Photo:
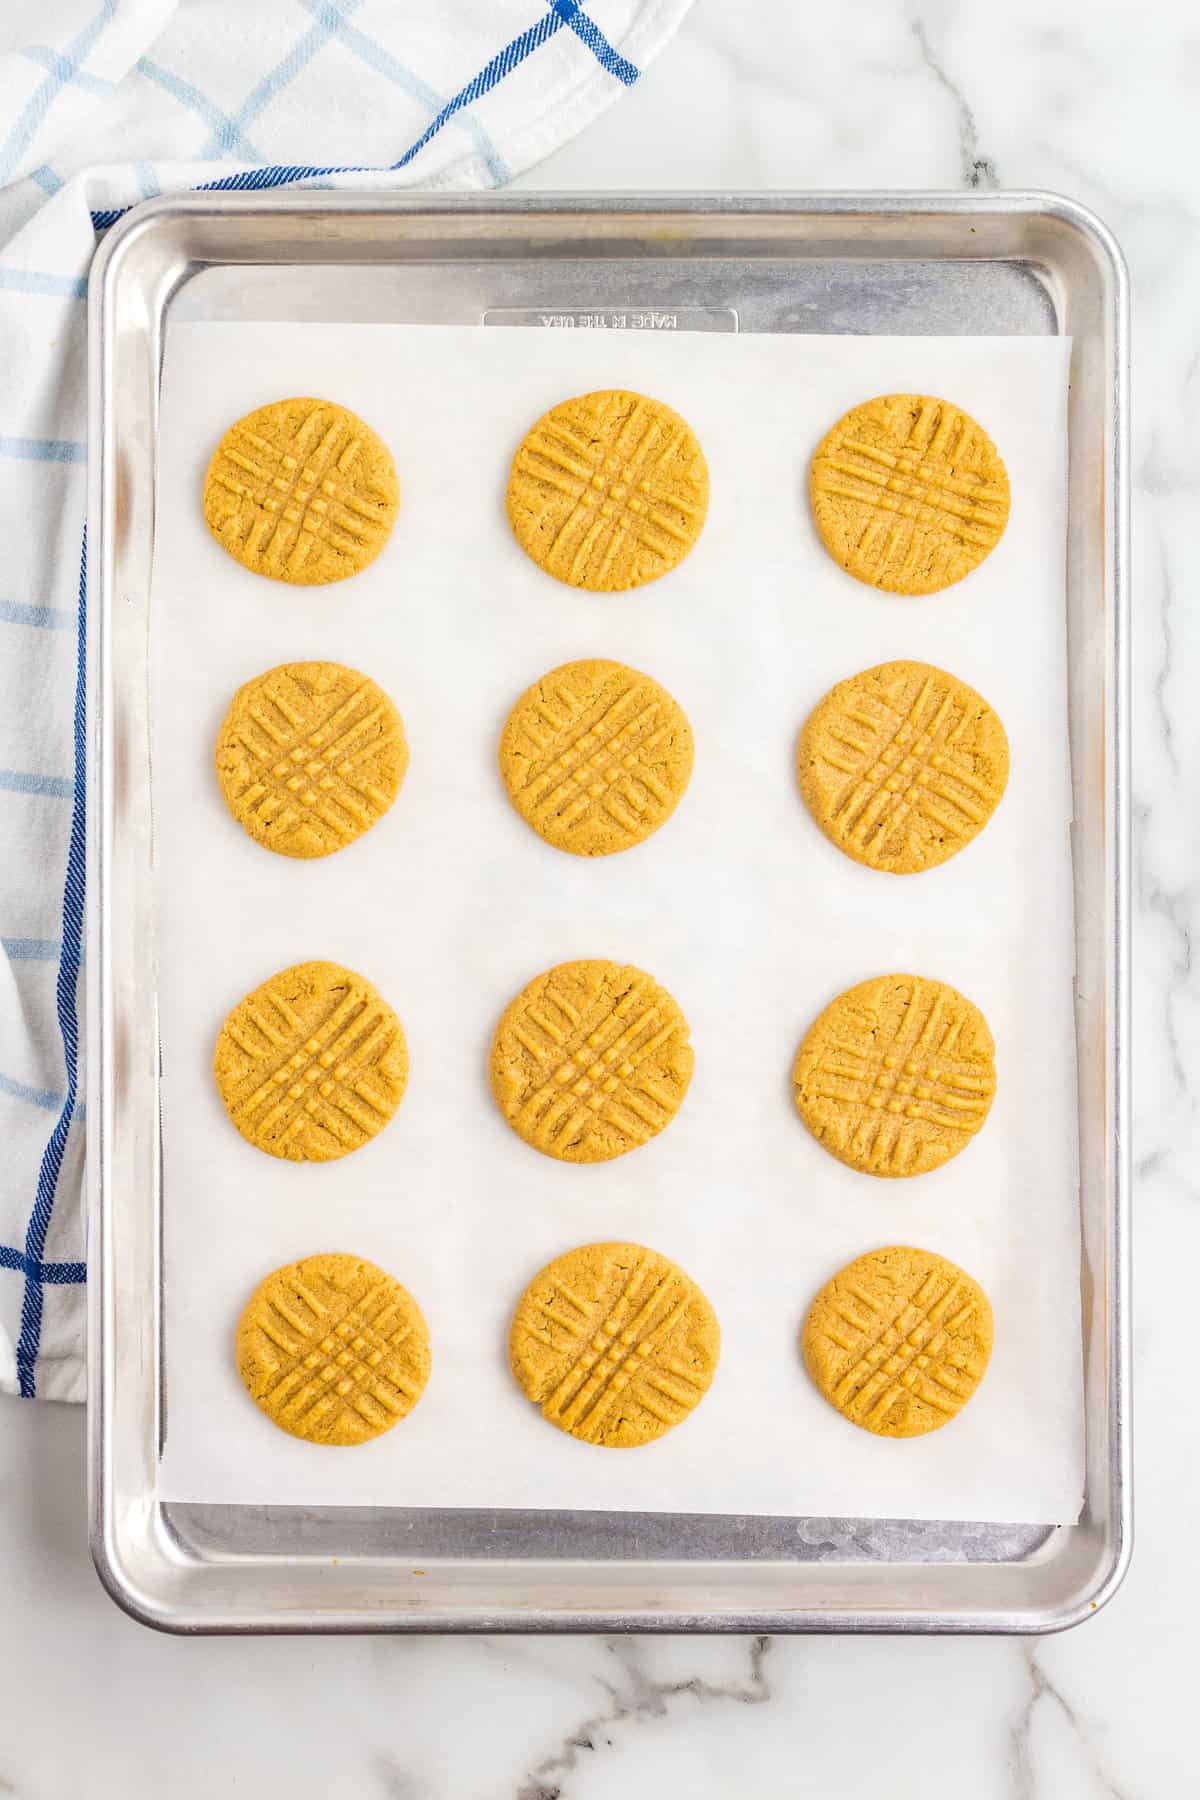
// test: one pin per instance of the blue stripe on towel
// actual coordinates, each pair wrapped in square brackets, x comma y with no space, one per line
[74,889]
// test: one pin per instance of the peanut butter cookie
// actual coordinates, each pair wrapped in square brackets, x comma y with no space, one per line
[902,766]
[898,1341]
[909,493]
[615,1344]
[896,1076]
[312,1064]
[596,757]
[590,1060]
[333,1350]
[608,491]
[303,491]
[310,756]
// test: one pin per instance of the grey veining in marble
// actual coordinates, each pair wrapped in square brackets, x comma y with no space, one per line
[634,1693]
[977,171]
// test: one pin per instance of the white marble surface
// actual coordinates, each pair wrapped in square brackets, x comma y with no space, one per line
[1097,99]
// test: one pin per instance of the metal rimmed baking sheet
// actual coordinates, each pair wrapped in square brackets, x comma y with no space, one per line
[890,266]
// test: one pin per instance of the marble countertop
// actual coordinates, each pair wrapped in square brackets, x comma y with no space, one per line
[1097,100]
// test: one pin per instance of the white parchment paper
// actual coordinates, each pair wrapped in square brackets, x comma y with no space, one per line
[738,905]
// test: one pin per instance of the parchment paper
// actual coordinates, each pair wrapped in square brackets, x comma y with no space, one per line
[739,906]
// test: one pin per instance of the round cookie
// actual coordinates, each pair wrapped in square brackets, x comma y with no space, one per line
[590,1060]
[333,1350]
[608,491]
[312,1064]
[902,765]
[310,756]
[303,491]
[596,756]
[908,493]
[614,1343]
[898,1341]
[896,1076]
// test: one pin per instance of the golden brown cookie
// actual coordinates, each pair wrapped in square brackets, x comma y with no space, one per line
[310,756]
[909,493]
[608,491]
[896,1076]
[333,1350]
[312,1064]
[614,1343]
[590,1060]
[302,491]
[902,766]
[596,757]
[898,1341]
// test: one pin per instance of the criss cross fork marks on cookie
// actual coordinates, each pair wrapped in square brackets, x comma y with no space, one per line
[305,766]
[296,491]
[619,498]
[341,1353]
[903,766]
[917,1076]
[596,752]
[323,1074]
[912,498]
[911,1354]
[630,1341]
[595,1065]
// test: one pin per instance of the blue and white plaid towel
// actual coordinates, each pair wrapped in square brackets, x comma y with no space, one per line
[104,103]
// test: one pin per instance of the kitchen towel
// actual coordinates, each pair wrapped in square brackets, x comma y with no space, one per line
[104,103]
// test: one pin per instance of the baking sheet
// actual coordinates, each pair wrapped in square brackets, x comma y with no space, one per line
[739,906]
